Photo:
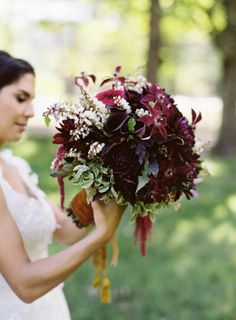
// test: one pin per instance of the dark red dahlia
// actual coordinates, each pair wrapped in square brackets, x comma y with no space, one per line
[64,134]
[153,191]
[183,130]
[126,168]
[120,158]
[134,99]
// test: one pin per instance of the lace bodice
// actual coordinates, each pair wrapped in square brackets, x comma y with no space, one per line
[36,223]
[33,215]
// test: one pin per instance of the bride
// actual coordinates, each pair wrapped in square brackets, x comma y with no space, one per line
[30,280]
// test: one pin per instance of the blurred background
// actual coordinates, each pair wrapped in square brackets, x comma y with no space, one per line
[188,47]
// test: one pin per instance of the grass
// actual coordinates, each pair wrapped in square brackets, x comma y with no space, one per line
[189,271]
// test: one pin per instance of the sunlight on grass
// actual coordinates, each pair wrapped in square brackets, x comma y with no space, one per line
[225,231]
[215,168]
[231,202]
[220,211]
[25,148]
[186,229]
[30,148]
[183,232]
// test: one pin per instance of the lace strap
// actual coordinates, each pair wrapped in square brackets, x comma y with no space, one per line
[3,184]
[1,174]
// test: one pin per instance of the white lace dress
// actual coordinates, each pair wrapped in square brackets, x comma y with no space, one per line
[36,223]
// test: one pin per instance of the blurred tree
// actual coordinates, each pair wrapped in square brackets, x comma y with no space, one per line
[217,19]
[146,10]
[153,54]
[225,40]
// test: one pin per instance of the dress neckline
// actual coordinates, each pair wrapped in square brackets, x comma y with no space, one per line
[21,194]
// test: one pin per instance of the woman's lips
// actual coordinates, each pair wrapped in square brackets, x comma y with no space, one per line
[21,125]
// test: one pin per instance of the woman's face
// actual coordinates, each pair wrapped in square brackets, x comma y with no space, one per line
[16,108]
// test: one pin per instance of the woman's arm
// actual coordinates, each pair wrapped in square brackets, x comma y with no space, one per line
[30,280]
[67,232]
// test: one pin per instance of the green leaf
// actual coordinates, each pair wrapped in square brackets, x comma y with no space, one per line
[81,169]
[55,174]
[143,179]
[47,120]
[86,183]
[68,168]
[103,188]
[130,137]
[131,124]
[151,103]
[114,193]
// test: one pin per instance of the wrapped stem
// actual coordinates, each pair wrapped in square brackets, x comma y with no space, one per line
[80,210]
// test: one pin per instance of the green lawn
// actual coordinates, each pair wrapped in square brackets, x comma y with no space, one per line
[189,272]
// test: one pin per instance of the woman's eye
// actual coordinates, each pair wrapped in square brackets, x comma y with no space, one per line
[20,99]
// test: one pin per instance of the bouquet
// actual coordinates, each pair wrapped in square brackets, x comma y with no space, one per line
[129,142]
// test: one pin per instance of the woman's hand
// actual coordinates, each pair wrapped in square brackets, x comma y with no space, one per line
[107,217]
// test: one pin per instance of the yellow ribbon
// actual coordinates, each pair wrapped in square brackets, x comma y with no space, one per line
[101,279]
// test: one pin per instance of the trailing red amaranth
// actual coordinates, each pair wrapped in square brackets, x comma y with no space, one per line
[56,166]
[143,231]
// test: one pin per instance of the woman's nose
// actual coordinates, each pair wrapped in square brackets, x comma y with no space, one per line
[29,110]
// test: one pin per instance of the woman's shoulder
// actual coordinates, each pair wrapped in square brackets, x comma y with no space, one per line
[21,164]
[5,153]
[12,159]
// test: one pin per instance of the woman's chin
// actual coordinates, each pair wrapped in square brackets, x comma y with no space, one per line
[16,137]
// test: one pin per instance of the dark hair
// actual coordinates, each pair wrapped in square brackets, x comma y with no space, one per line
[12,69]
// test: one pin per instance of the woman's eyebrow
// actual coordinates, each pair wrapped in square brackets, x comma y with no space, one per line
[25,93]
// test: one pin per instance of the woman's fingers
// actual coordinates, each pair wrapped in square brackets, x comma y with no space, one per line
[107,216]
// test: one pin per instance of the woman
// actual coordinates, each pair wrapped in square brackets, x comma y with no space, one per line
[30,281]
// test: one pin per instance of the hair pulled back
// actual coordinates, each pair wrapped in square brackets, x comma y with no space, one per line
[12,69]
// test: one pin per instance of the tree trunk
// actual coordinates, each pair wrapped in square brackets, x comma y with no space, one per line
[226,144]
[225,41]
[153,60]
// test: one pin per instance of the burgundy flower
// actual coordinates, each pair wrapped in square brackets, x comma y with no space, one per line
[115,121]
[85,79]
[127,186]
[126,168]
[64,134]
[157,94]
[134,99]
[183,130]
[133,96]
[156,119]
[116,77]
[154,191]
[118,123]
[107,97]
